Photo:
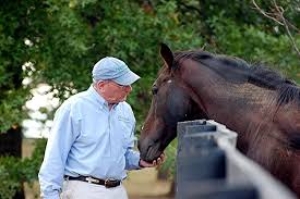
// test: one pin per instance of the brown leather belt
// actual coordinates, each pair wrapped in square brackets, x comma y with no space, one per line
[108,183]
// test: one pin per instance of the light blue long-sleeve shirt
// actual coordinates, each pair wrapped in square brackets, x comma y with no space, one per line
[88,139]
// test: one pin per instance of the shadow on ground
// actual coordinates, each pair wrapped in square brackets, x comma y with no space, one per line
[143,184]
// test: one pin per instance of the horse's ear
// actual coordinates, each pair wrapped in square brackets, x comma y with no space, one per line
[167,55]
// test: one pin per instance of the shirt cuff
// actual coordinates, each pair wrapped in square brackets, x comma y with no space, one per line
[51,195]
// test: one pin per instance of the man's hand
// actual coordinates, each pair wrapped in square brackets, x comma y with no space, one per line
[161,159]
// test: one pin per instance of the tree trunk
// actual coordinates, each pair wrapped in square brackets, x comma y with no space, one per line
[11,145]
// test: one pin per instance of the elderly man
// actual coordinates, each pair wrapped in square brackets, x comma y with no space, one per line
[90,144]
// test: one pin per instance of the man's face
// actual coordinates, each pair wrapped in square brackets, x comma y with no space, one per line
[113,92]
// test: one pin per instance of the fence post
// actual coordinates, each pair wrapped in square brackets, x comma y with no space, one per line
[208,166]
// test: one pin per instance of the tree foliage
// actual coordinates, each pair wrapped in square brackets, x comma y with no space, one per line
[14,170]
[62,40]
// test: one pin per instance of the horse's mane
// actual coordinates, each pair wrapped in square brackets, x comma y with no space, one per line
[238,71]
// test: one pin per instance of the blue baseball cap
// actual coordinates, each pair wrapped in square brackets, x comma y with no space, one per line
[110,68]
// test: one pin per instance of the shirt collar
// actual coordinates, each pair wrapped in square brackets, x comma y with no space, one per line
[100,100]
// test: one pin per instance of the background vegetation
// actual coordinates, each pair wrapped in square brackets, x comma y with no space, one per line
[58,41]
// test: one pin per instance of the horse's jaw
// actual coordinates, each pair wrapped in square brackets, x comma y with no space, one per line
[149,149]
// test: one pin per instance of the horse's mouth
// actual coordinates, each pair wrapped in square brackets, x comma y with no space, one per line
[151,153]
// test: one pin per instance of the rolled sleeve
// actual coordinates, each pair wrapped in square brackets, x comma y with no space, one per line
[132,159]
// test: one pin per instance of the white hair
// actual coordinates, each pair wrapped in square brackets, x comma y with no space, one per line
[97,81]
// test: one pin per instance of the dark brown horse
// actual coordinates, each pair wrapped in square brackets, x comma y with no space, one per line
[259,104]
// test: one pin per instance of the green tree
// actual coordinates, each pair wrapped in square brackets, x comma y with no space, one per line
[58,42]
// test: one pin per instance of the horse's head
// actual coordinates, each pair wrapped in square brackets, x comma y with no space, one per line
[172,102]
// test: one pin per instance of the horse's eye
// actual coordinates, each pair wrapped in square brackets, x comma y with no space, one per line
[154,90]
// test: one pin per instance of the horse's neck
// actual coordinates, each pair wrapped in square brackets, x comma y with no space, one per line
[241,107]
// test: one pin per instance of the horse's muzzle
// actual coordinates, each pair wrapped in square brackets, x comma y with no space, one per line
[149,150]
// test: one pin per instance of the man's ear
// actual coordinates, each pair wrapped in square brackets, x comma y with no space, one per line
[100,85]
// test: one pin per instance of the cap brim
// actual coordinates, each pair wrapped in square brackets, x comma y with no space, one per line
[127,79]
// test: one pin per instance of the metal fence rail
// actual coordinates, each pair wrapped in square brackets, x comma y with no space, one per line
[210,167]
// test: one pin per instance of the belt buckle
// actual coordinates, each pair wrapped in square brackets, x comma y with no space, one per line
[91,180]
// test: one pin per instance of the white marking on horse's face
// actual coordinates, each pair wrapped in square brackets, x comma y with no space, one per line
[169,81]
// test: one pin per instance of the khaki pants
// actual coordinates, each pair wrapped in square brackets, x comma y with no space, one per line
[73,189]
